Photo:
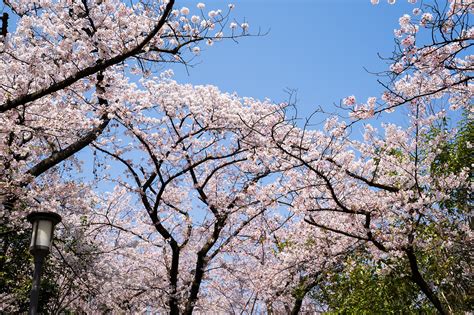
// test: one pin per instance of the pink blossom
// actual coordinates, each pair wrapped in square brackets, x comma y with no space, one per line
[397,67]
[349,101]
[408,41]
[212,14]
[426,18]
[184,11]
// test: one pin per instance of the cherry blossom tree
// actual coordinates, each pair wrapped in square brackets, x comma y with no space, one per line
[193,166]
[387,189]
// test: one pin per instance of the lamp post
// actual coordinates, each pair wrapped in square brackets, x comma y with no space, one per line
[41,240]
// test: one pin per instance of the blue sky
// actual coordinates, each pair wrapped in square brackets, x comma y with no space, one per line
[319,47]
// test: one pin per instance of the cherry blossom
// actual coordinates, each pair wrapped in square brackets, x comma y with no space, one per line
[190,199]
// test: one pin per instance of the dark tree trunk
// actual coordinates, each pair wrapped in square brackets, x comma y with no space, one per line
[420,281]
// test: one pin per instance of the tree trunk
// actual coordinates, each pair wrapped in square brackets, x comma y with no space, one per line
[422,284]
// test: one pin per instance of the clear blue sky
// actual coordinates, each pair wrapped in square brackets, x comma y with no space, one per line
[318,47]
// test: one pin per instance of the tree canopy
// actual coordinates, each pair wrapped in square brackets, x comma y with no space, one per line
[189,199]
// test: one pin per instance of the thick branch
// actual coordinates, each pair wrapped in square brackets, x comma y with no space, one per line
[304,291]
[70,150]
[4,24]
[80,144]
[420,281]
[201,263]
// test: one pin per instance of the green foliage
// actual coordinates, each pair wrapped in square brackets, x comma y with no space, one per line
[363,286]
[15,264]
[457,153]
[16,268]
[446,268]
[453,157]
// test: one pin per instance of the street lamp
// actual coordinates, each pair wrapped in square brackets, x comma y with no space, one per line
[41,240]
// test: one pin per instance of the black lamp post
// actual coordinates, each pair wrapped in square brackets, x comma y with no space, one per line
[41,240]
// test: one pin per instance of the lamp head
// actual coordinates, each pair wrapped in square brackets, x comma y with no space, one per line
[43,227]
